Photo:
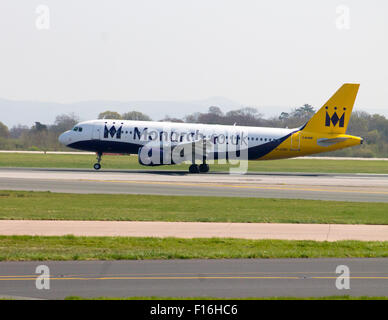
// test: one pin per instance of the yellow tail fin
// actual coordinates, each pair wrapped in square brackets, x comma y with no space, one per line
[334,116]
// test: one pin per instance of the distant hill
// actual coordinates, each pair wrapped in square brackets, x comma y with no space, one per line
[27,112]
[14,112]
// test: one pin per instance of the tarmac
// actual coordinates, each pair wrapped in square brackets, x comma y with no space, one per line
[336,187]
[240,278]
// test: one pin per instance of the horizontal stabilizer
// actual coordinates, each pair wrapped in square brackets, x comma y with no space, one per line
[324,142]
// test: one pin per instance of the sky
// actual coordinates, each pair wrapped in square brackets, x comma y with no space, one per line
[259,53]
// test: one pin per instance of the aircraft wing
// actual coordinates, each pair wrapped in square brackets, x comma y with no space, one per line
[199,145]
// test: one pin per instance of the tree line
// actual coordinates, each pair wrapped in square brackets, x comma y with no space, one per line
[372,127]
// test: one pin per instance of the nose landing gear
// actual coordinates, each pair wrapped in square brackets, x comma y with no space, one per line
[97,166]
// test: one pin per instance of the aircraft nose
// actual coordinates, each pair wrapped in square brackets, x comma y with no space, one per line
[63,138]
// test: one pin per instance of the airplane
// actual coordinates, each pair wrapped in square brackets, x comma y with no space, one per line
[163,143]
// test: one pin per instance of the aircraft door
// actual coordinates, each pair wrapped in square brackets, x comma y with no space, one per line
[295,141]
[97,132]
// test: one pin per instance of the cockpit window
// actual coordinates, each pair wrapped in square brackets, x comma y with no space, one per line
[80,129]
[75,129]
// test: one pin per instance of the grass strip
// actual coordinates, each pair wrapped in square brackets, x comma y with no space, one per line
[20,205]
[37,248]
[131,162]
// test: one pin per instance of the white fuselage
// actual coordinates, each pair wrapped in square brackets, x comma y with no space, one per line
[126,136]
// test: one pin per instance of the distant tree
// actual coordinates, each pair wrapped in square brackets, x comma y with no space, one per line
[359,123]
[39,127]
[4,132]
[192,118]
[379,123]
[64,122]
[169,119]
[303,112]
[296,118]
[243,117]
[247,112]
[109,115]
[135,115]
[372,137]
[284,116]
[17,131]
[215,110]
[247,116]
[37,136]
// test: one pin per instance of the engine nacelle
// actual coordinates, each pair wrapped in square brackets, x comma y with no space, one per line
[155,156]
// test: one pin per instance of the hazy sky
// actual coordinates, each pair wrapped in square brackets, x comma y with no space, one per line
[259,53]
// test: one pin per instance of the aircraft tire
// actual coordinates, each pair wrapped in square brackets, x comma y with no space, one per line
[203,167]
[97,166]
[194,168]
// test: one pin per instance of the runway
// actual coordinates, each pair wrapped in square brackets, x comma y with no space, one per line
[338,187]
[196,278]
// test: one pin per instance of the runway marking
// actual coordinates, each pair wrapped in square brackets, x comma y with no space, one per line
[196,274]
[15,278]
[233,186]
[148,278]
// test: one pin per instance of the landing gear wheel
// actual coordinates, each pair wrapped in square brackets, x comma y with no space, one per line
[97,166]
[194,168]
[203,167]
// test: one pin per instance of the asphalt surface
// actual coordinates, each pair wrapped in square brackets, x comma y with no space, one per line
[340,187]
[196,278]
[187,278]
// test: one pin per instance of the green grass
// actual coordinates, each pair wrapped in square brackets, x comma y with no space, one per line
[130,162]
[23,248]
[18,205]
[345,297]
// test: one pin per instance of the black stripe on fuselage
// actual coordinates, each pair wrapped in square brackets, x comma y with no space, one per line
[103,146]
[259,151]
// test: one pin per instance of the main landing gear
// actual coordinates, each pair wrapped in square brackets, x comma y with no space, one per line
[194,168]
[97,166]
